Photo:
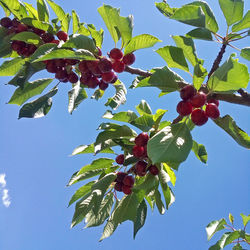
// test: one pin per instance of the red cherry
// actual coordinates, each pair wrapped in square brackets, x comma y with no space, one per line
[126,190]
[60,62]
[73,77]
[153,170]
[140,168]
[129,180]
[93,82]
[105,65]
[51,67]
[198,100]
[71,61]
[212,111]
[15,22]
[184,108]
[37,31]
[103,85]
[120,176]
[129,59]
[108,77]
[187,92]
[93,67]
[114,79]
[120,159]
[32,48]
[99,51]
[118,66]
[55,42]
[85,78]
[47,37]
[138,151]
[141,139]
[83,67]
[118,186]
[6,22]
[22,27]
[62,35]
[116,54]
[61,75]
[16,45]
[199,117]
[216,102]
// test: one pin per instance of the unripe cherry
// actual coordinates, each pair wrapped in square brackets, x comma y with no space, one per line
[199,117]
[184,108]
[187,92]
[212,111]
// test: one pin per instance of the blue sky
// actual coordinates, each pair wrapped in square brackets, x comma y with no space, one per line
[34,155]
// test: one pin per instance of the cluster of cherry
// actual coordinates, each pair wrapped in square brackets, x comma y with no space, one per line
[192,103]
[125,182]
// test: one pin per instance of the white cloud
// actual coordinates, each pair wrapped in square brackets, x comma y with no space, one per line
[5,195]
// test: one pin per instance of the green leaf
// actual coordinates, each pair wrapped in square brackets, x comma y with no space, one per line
[37,24]
[125,116]
[214,227]
[78,41]
[5,9]
[42,51]
[103,147]
[80,54]
[229,125]
[11,67]
[108,230]
[231,218]
[28,37]
[200,33]
[172,144]
[39,107]
[30,89]
[140,42]
[245,53]
[174,57]
[144,122]
[165,9]
[140,217]
[120,96]
[143,108]
[98,94]
[245,219]
[149,183]
[199,75]
[62,16]
[15,7]
[242,24]
[5,45]
[75,22]
[170,173]
[84,149]
[118,26]
[93,220]
[158,202]
[190,14]
[232,10]
[200,151]
[96,35]
[237,247]
[31,11]
[187,44]
[231,76]
[43,11]
[82,191]
[76,96]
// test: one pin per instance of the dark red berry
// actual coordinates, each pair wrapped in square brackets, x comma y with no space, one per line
[32,48]
[129,59]
[51,67]
[187,92]
[11,30]
[116,54]
[129,180]
[15,22]
[108,77]
[6,22]
[118,66]
[120,159]
[99,53]
[47,37]
[93,67]
[103,85]
[93,82]
[105,65]
[216,102]
[118,186]
[140,168]
[85,78]
[37,31]
[22,27]
[198,100]
[55,42]
[153,170]
[126,190]
[138,151]
[114,79]
[60,63]
[73,77]
[184,108]
[141,139]
[120,176]
[199,117]
[16,45]
[61,75]
[83,67]
[212,111]
[62,35]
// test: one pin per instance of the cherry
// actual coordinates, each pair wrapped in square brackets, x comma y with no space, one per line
[93,82]
[6,22]
[61,74]
[118,66]
[93,67]
[153,170]
[126,190]
[198,100]
[116,54]
[138,151]
[22,27]
[37,31]
[16,45]
[71,61]
[11,30]
[108,76]
[15,22]
[118,186]
[114,79]
[120,159]
[129,180]
[184,108]
[120,176]
[47,37]
[51,67]
[83,67]
[141,139]
[103,85]
[60,63]
[199,117]
[73,77]
[140,168]
[85,78]
[187,92]
[62,35]
[55,42]
[216,102]
[31,48]
[129,59]
[99,53]
[105,65]
[212,111]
